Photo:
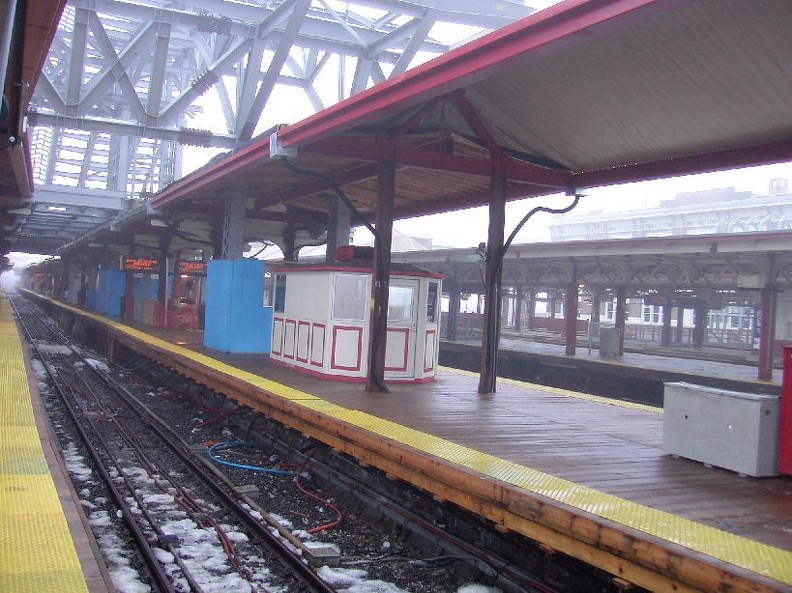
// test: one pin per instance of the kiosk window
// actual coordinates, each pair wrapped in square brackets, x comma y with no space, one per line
[400,304]
[431,303]
[349,297]
[280,293]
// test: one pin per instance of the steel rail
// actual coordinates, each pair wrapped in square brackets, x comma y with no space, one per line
[154,569]
[302,571]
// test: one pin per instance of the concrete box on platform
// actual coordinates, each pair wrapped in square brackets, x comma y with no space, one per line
[609,341]
[728,429]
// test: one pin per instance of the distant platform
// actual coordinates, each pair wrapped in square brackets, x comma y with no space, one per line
[633,376]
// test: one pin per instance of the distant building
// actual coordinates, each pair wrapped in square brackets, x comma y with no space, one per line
[694,213]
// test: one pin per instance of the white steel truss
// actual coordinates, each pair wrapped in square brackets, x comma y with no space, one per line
[206,73]
[134,93]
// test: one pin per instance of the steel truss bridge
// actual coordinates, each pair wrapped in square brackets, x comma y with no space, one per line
[132,92]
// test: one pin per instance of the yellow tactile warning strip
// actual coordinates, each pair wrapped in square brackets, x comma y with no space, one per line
[755,557]
[36,548]
[564,392]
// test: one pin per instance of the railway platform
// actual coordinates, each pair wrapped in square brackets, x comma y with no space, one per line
[45,544]
[579,474]
[638,375]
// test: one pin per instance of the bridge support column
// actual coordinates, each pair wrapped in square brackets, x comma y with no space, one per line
[161,306]
[339,224]
[289,240]
[234,223]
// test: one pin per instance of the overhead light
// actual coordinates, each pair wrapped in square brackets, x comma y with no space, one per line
[56,208]
[24,211]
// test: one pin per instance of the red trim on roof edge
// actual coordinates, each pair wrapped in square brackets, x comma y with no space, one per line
[764,154]
[217,172]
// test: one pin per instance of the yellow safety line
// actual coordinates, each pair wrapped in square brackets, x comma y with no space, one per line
[563,392]
[742,552]
[36,548]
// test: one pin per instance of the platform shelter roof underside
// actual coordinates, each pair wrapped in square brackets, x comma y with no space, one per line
[586,93]
[717,268]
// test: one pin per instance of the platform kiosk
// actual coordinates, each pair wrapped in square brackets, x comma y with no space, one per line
[236,319]
[321,323]
[186,304]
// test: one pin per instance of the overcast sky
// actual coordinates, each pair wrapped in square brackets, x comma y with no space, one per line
[468,228]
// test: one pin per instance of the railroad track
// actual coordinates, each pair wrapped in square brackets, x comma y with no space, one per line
[387,529]
[164,498]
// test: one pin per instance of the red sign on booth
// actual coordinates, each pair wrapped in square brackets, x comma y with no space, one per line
[141,264]
[192,268]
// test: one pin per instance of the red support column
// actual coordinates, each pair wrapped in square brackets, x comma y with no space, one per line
[518,300]
[767,333]
[532,309]
[386,187]
[570,318]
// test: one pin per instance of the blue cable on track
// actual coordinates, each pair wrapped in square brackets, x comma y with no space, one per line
[256,468]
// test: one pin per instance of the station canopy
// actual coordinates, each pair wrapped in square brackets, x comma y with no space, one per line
[584,94]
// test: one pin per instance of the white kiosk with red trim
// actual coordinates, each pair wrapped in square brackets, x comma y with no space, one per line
[322,321]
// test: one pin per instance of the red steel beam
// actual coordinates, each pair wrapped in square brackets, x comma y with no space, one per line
[428,158]
[361,173]
[765,154]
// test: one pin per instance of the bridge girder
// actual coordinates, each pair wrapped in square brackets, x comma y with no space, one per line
[127,86]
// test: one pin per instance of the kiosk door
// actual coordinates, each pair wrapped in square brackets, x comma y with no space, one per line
[402,316]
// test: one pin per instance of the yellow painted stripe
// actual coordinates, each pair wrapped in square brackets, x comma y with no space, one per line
[36,548]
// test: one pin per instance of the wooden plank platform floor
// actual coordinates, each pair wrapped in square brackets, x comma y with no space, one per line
[613,449]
